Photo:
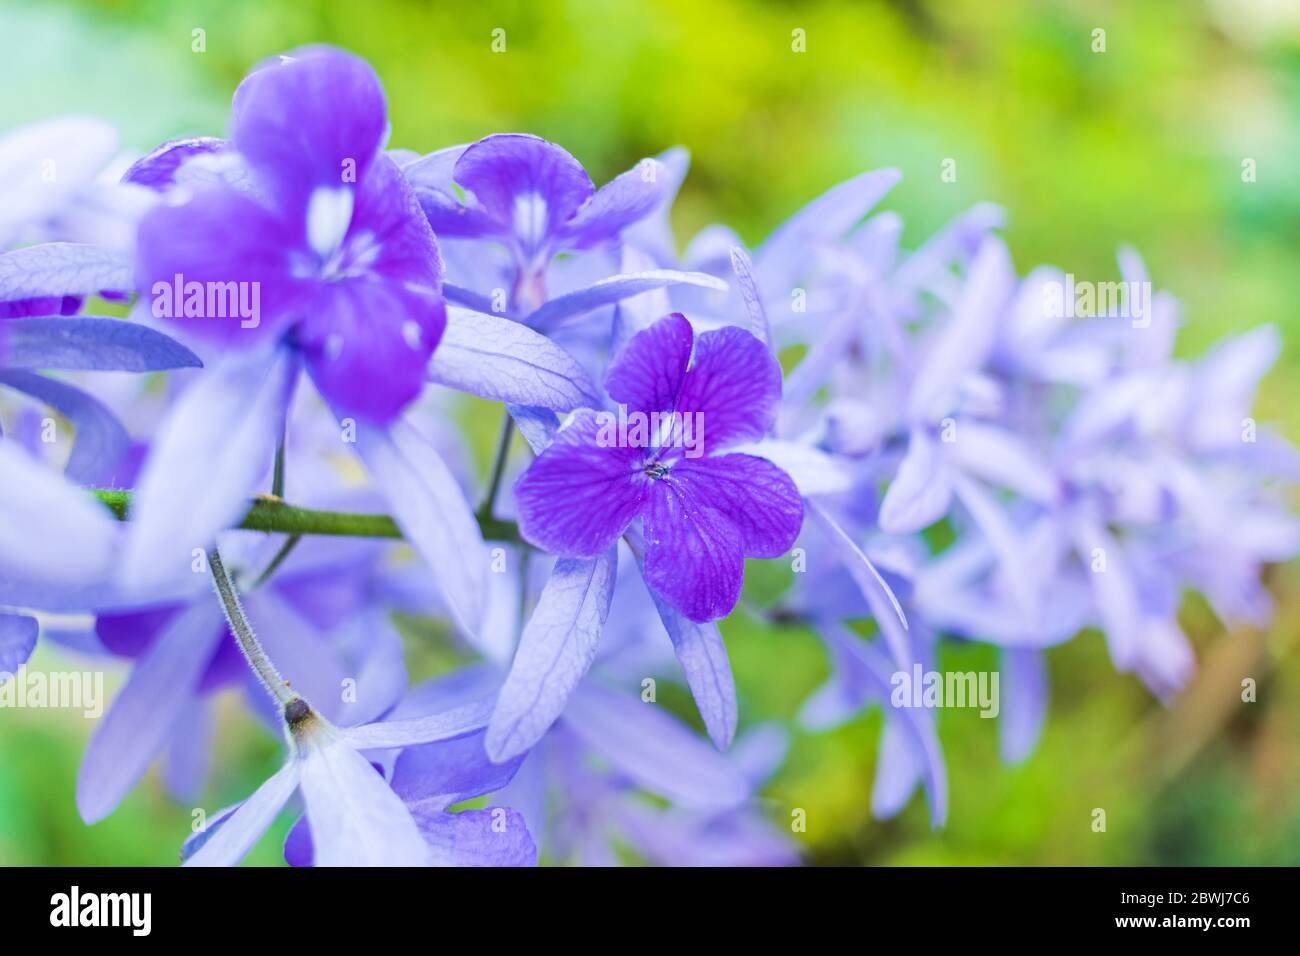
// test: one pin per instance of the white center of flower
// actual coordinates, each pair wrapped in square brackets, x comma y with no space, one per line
[329,214]
[530,219]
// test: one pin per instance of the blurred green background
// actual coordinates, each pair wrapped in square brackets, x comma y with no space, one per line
[1143,143]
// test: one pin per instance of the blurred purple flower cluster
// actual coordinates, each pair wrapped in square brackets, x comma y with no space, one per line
[953,452]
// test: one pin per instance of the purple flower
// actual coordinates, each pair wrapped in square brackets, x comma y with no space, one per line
[532,196]
[703,512]
[325,239]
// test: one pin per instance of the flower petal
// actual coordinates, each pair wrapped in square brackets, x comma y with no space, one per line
[435,776]
[157,169]
[623,200]
[555,650]
[56,269]
[210,451]
[734,384]
[17,641]
[964,342]
[743,267]
[314,118]
[1024,692]
[219,266]
[553,314]
[654,748]
[432,512]
[494,358]
[693,558]
[50,530]
[756,497]
[880,597]
[648,373]
[526,183]
[784,256]
[76,147]
[355,818]
[577,497]
[92,343]
[921,492]
[704,661]
[228,839]
[464,719]
[100,443]
[495,836]
[813,471]
[147,710]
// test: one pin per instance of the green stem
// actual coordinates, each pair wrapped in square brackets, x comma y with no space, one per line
[290,543]
[498,468]
[277,478]
[277,517]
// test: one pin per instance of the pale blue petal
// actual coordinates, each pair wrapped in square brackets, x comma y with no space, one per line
[880,597]
[555,650]
[553,314]
[62,268]
[964,342]
[217,441]
[431,510]
[17,641]
[355,818]
[654,748]
[456,722]
[147,710]
[91,343]
[743,266]
[99,444]
[1023,693]
[229,838]
[501,360]
[51,532]
[921,491]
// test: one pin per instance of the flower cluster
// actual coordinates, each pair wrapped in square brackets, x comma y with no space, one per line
[928,440]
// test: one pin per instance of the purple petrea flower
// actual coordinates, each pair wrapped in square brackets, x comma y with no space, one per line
[703,513]
[532,196]
[346,266]
[305,212]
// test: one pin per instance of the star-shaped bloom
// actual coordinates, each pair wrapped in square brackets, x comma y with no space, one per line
[703,511]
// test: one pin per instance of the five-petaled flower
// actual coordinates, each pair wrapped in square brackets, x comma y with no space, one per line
[702,516]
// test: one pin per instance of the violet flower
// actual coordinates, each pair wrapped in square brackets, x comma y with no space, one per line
[704,511]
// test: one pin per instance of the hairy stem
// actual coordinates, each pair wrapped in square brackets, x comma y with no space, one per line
[273,515]
[248,643]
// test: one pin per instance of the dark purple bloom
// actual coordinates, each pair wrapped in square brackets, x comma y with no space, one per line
[325,237]
[703,512]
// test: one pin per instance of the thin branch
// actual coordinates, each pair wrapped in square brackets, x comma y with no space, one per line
[275,516]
